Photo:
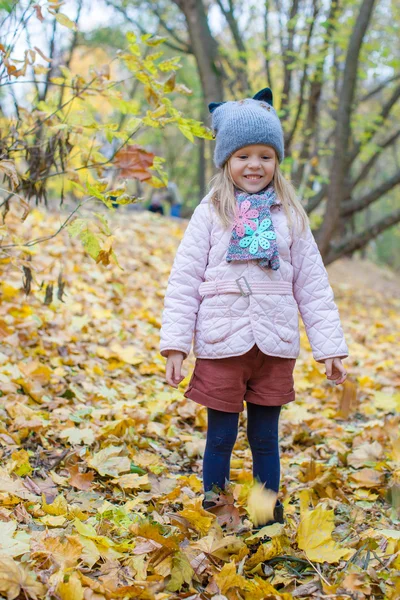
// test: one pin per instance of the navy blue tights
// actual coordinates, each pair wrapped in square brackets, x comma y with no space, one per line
[262,433]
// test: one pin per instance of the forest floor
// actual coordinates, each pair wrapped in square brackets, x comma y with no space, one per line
[100,477]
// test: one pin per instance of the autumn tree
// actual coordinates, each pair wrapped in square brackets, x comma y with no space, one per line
[335,76]
[80,126]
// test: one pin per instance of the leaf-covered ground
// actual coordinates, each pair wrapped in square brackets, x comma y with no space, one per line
[100,479]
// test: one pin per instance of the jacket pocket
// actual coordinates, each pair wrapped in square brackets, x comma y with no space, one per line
[286,322]
[214,324]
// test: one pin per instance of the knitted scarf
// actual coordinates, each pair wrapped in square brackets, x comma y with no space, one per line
[253,236]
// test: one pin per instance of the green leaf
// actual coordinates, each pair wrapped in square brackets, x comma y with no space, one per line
[181,572]
[104,221]
[138,470]
[116,260]
[90,242]
[75,228]
[6,5]
[97,194]
[186,132]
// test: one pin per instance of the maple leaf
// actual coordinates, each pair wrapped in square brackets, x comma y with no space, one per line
[12,543]
[181,573]
[314,536]
[364,454]
[82,481]
[134,161]
[228,578]
[225,510]
[109,462]
[15,578]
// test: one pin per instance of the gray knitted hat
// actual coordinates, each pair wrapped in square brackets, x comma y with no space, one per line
[245,122]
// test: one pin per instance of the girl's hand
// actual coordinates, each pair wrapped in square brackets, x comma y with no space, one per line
[173,373]
[335,370]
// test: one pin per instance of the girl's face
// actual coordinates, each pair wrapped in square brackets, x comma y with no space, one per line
[252,167]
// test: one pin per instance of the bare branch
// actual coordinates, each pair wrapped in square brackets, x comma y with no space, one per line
[288,60]
[51,56]
[291,133]
[233,26]
[49,237]
[379,88]
[355,242]
[358,204]
[184,46]
[316,200]
[314,96]
[372,131]
[368,165]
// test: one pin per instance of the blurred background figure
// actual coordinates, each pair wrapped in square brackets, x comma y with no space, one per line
[166,201]
[156,202]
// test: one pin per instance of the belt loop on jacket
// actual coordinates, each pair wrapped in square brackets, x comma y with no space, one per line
[242,291]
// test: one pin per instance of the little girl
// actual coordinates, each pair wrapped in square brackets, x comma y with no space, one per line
[247,264]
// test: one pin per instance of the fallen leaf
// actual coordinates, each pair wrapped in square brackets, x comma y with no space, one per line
[314,536]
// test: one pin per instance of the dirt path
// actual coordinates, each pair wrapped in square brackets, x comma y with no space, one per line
[366,275]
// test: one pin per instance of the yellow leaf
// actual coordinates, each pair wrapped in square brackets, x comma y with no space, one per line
[366,382]
[108,461]
[132,481]
[11,543]
[78,436]
[367,478]
[51,521]
[365,453]
[387,402]
[198,517]
[90,552]
[227,578]
[14,578]
[260,504]
[314,536]
[9,292]
[65,21]
[22,465]
[265,551]
[16,488]
[56,508]
[181,572]
[71,588]
[129,354]
[64,553]
[220,547]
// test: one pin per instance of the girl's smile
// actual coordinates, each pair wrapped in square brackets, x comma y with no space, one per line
[252,167]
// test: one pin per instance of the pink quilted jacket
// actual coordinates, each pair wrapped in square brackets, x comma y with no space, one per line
[229,307]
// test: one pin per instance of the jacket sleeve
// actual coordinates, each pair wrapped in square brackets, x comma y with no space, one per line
[315,299]
[182,298]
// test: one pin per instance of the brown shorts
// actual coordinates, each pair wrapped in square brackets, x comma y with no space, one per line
[223,383]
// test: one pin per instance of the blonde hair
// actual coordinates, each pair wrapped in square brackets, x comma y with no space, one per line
[223,197]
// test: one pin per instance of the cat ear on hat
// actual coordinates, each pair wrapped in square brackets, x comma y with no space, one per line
[214,105]
[264,95]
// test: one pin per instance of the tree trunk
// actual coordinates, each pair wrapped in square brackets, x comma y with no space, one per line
[205,49]
[340,161]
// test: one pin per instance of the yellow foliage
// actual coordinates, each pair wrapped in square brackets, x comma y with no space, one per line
[314,536]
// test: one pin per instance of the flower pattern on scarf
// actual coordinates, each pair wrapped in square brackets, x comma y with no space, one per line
[258,237]
[254,238]
[243,216]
